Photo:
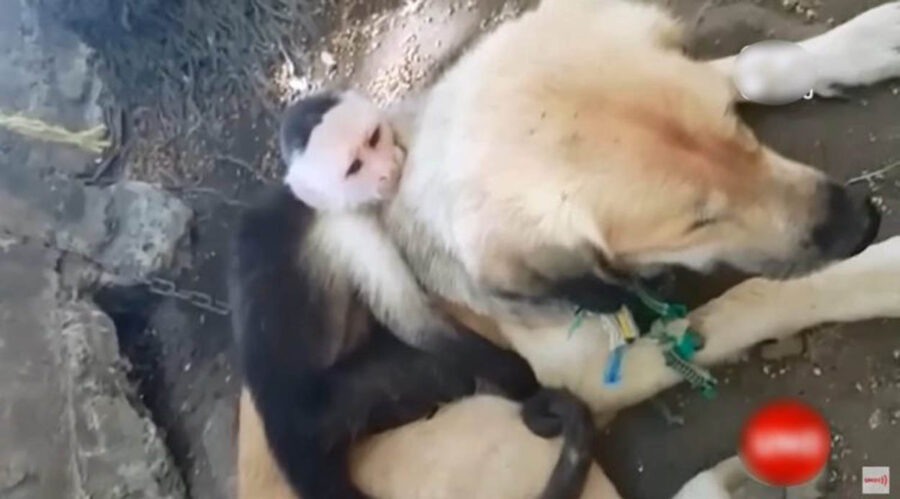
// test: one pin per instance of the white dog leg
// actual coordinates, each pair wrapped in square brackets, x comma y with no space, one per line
[862,51]
[863,287]
[717,482]
[729,479]
[866,286]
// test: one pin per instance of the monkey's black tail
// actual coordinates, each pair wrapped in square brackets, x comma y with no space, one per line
[552,412]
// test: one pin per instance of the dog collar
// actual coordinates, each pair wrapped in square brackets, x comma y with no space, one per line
[670,330]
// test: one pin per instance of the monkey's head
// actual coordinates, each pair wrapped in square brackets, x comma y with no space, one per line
[340,151]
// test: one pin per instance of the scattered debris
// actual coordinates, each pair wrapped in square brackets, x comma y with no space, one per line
[328,59]
[398,79]
[671,418]
[875,175]
[894,419]
[807,8]
[875,419]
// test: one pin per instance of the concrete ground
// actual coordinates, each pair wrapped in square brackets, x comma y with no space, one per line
[181,355]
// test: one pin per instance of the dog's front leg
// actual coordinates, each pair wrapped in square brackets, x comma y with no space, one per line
[863,287]
[862,51]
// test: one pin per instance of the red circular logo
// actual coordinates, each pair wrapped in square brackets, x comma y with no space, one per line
[785,443]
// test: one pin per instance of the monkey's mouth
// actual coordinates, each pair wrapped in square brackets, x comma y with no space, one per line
[388,188]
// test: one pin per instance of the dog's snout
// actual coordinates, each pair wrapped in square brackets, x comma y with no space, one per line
[849,222]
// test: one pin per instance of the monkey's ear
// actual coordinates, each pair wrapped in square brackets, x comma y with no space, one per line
[299,186]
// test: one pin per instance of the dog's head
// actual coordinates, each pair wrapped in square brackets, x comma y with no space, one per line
[684,181]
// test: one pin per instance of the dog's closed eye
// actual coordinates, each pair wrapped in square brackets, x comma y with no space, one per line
[701,223]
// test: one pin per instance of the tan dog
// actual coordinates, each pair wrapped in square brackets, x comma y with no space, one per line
[548,165]
[479,448]
[580,140]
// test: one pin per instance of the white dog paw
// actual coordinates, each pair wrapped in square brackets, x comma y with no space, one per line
[862,51]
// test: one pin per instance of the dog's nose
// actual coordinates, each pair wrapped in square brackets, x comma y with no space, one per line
[848,225]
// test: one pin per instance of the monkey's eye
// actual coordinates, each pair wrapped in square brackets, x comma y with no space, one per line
[376,136]
[355,166]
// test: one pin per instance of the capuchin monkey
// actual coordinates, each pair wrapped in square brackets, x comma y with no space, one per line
[337,340]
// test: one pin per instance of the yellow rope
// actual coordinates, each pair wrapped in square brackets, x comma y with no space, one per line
[90,140]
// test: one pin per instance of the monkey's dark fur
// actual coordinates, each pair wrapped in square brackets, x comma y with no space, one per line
[312,411]
[322,370]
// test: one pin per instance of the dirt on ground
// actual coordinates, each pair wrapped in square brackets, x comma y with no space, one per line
[192,90]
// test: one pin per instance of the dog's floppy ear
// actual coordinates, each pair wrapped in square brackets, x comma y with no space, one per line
[581,276]
[593,294]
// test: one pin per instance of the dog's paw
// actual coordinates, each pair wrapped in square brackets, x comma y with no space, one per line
[862,51]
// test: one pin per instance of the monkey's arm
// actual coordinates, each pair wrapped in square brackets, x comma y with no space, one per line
[387,284]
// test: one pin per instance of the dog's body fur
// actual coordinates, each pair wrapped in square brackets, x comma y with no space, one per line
[555,170]
[476,229]
[484,434]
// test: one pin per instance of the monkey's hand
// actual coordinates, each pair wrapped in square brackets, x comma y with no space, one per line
[513,375]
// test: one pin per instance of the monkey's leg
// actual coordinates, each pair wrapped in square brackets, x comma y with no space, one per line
[862,51]
[385,385]
[310,426]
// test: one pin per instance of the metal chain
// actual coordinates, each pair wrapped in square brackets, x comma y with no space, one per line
[156,285]
[199,299]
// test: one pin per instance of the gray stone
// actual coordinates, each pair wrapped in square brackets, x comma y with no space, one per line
[70,424]
[117,449]
[131,228]
[46,70]
[73,74]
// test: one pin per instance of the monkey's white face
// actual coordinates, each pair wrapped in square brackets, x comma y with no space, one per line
[351,158]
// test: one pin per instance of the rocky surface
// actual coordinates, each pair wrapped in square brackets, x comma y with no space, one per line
[131,229]
[71,420]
